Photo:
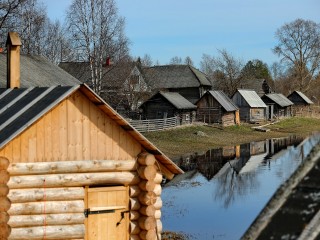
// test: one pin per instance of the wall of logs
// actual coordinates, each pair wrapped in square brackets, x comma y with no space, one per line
[46,199]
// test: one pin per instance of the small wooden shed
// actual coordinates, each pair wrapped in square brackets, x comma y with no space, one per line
[278,105]
[217,107]
[302,104]
[252,108]
[167,105]
[72,168]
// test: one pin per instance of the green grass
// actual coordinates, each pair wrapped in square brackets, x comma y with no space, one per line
[184,140]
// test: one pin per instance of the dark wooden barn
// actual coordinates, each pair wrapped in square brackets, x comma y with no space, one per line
[252,108]
[167,105]
[302,104]
[278,105]
[217,107]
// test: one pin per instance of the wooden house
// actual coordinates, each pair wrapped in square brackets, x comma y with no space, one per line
[72,168]
[217,107]
[278,105]
[186,80]
[302,104]
[252,108]
[167,105]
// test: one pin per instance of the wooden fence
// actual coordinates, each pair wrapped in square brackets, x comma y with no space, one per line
[155,124]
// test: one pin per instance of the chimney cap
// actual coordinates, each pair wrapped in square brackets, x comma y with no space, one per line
[13,39]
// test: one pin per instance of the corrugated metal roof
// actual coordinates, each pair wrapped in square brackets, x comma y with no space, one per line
[20,108]
[279,99]
[177,100]
[224,101]
[175,76]
[36,71]
[252,98]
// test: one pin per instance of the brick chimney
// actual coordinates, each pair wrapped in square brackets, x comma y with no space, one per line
[13,60]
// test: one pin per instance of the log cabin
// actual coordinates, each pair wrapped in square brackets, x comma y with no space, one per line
[72,168]
[278,105]
[251,106]
[217,107]
[302,104]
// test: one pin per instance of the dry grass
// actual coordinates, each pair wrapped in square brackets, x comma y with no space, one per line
[185,140]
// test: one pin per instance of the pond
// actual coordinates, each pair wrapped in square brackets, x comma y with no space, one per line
[223,190]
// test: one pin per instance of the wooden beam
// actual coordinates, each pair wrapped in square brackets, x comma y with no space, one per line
[46,207]
[49,232]
[49,219]
[84,166]
[48,194]
[72,180]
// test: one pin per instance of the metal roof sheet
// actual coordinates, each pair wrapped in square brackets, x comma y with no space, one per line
[304,97]
[279,99]
[177,100]
[224,101]
[252,98]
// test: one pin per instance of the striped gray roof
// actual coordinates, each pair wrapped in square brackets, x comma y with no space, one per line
[304,97]
[21,107]
[224,100]
[252,98]
[36,71]
[175,76]
[279,99]
[177,100]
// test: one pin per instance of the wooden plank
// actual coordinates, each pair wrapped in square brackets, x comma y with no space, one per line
[40,141]
[16,149]
[63,125]
[48,139]
[71,136]
[77,101]
[108,131]
[101,135]
[93,131]
[55,118]
[115,141]
[86,128]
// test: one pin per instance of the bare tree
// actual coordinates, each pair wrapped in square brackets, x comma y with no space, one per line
[224,71]
[299,48]
[175,60]
[188,61]
[97,32]
[146,61]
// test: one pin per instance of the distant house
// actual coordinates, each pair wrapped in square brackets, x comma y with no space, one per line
[278,105]
[184,79]
[302,104]
[217,107]
[260,86]
[252,108]
[122,85]
[168,104]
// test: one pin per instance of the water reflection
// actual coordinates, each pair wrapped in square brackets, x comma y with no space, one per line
[239,179]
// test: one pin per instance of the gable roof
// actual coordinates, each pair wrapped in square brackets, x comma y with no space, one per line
[259,85]
[279,99]
[177,100]
[175,76]
[252,98]
[302,96]
[20,108]
[36,71]
[223,100]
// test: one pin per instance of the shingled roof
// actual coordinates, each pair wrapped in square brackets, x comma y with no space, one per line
[36,71]
[175,76]
[21,107]
[260,86]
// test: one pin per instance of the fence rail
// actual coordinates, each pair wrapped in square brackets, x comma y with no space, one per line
[155,124]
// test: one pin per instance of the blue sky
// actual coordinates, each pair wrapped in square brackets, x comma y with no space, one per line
[167,28]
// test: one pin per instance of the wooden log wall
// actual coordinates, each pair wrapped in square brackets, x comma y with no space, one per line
[145,200]
[5,203]
[47,198]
